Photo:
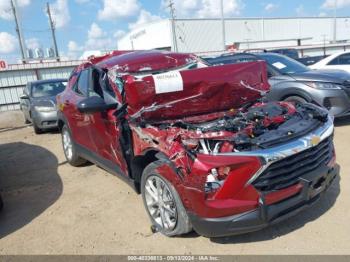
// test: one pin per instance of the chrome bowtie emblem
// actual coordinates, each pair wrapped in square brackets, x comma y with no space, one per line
[315,140]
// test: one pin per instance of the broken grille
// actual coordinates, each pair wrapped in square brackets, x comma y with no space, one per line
[286,172]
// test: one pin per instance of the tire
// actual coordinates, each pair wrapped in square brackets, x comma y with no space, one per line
[69,148]
[172,223]
[296,99]
[37,130]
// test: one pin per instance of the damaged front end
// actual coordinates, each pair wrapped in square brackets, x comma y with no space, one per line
[231,154]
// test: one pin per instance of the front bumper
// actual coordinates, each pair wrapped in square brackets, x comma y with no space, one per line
[314,184]
[45,120]
[337,102]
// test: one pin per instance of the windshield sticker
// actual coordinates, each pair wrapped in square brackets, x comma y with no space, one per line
[279,65]
[168,82]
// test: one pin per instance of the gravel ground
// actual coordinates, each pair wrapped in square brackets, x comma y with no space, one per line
[53,208]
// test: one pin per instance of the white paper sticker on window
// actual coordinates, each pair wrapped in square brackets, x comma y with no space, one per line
[279,65]
[168,82]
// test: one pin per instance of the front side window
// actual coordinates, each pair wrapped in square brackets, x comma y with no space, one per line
[82,85]
[48,89]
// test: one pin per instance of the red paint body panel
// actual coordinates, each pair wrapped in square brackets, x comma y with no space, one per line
[143,61]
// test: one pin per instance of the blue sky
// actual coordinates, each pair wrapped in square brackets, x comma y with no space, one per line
[97,24]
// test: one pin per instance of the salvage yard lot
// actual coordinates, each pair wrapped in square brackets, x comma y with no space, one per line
[53,208]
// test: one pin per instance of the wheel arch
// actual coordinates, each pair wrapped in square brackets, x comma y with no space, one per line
[140,162]
[296,92]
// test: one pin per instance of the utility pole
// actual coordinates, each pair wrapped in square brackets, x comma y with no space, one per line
[173,26]
[52,26]
[18,30]
[223,25]
[335,21]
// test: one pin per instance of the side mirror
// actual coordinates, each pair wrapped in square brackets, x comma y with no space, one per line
[24,96]
[95,104]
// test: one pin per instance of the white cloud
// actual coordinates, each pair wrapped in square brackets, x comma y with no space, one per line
[33,43]
[144,18]
[205,8]
[270,7]
[117,9]
[329,4]
[5,8]
[60,13]
[95,31]
[8,43]
[98,39]
[74,47]
[322,14]
[119,34]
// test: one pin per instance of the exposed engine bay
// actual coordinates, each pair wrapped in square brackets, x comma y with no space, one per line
[258,127]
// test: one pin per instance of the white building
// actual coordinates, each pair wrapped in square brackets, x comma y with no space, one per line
[206,35]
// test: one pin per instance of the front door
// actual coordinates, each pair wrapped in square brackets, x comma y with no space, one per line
[105,128]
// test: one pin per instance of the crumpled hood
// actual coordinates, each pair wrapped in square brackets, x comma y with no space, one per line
[178,94]
[147,61]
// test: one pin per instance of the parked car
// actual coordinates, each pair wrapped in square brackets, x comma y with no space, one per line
[292,81]
[292,53]
[336,61]
[38,103]
[311,60]
[196,141]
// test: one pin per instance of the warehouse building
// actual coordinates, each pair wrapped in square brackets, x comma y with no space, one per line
[210,35]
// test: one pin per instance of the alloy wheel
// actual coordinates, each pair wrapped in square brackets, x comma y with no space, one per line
[160,203]
[67,144]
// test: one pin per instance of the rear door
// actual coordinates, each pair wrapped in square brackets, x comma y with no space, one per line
[78,122]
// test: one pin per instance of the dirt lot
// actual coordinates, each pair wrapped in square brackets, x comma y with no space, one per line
[53,208]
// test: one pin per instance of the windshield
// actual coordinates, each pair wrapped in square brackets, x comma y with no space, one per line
[48,89]
[284,64]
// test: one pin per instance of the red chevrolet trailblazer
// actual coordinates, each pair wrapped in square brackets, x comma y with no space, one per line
[197,141]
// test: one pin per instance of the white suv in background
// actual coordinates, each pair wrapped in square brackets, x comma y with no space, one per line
[336,61]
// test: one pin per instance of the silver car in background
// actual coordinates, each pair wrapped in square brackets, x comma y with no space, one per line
[293,81]
[38,103]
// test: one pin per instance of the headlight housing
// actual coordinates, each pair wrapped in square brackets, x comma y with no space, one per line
[44,108]
[323,85]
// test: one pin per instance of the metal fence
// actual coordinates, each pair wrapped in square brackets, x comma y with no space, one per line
[15,77]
